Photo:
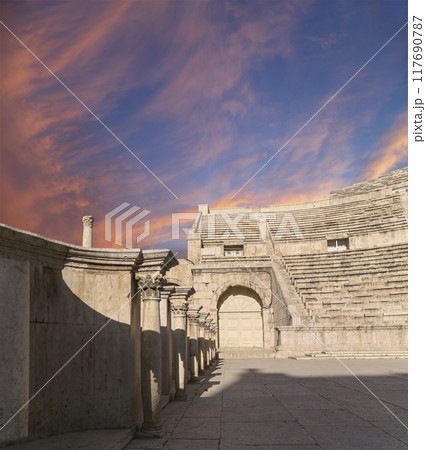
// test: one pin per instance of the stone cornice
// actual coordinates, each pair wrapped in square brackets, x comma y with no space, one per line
[155,261]
[221,263]
[23,244]
[203,318]
[17,243]
[166,291]
[194,313]
[182,292]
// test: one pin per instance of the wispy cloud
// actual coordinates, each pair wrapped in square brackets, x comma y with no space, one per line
[390,152]
[202,91]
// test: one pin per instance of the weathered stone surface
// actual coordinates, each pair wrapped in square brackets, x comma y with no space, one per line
[74,308]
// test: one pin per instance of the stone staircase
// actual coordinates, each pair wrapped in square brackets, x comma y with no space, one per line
[367,286]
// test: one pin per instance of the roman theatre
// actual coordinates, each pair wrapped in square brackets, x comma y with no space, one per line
[121,332]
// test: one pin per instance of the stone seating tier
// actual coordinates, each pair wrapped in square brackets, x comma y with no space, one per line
[248,226]
[353,287]
[357,217]
[353,217]
[395,179]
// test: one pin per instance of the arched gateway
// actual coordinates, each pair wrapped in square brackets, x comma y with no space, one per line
[240,318]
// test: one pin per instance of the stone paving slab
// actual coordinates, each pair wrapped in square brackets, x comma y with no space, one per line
[80,440]
[263,433]
[368,437]
[289,404]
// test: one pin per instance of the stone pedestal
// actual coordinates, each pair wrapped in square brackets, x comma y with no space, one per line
[151,355]
[193,319]
[88,231]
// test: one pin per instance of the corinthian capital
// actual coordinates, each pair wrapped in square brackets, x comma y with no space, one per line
[88,221]
[178,307]
[150,285]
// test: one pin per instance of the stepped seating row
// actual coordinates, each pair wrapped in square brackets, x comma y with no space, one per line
[214,227]
[395,179]
[353,287]
[377,253]
[358,217]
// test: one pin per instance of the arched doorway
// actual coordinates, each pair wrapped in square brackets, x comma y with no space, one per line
[240,319]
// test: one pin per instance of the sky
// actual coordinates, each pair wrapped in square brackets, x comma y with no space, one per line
[203,93]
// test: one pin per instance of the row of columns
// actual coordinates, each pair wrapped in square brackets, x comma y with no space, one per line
[178,344]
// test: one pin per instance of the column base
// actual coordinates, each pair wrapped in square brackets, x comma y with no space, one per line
[150,431]
[181,396]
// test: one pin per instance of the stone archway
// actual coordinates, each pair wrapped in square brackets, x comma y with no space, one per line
[240,318]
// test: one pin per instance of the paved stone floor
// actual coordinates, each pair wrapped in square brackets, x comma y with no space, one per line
[283,404]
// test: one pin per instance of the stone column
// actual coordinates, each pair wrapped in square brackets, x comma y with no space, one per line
[211,346]
[179,307]
[167,381]
[207,340]
[215,343]
[88,231]
[201,362]
[202,341]
[151,354]
[193,319]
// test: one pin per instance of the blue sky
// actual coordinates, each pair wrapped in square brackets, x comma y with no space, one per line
[204,93]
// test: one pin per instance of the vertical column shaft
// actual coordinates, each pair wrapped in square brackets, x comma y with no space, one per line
[88,231]
[202,341]
[151,355]
[193,319]
[167,382]
[179,308]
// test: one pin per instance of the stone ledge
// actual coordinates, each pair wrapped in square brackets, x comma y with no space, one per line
[23,244]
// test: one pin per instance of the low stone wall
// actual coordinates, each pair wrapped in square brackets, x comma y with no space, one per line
[298,341]
[68,307]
